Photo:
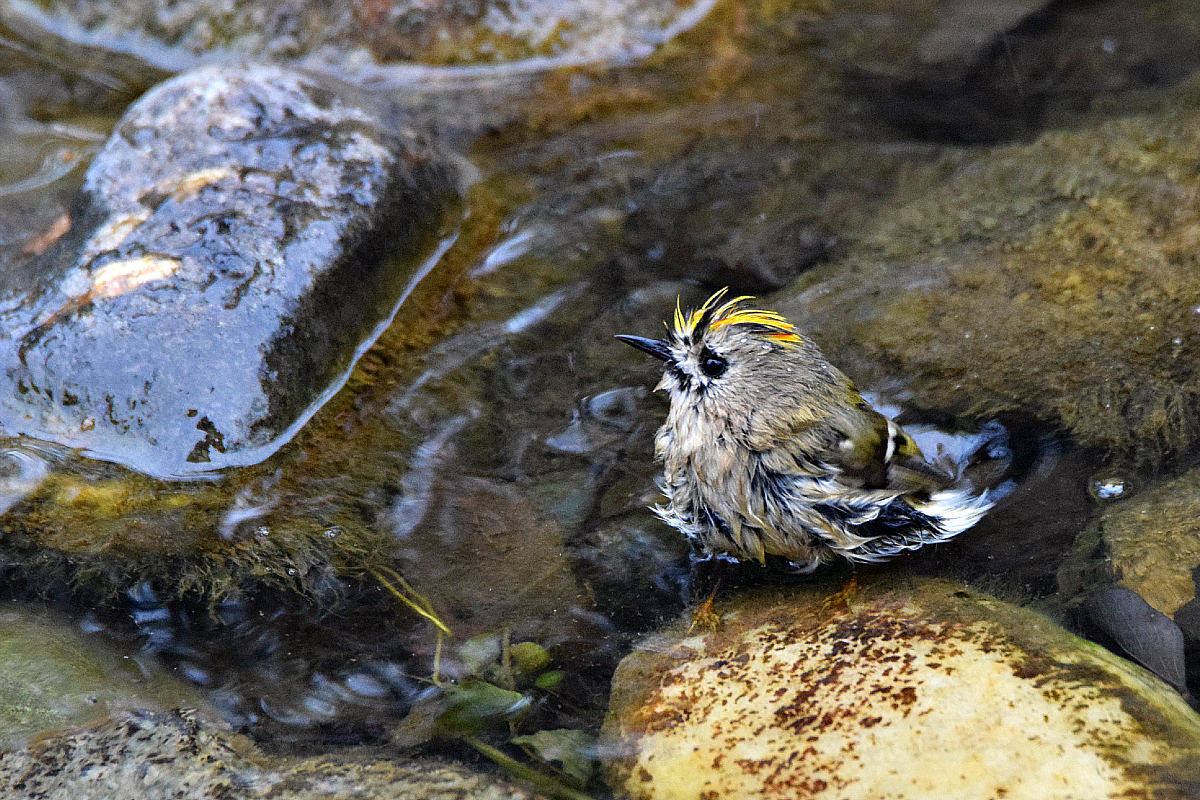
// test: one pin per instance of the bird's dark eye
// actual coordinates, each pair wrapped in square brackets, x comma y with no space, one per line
[712,364]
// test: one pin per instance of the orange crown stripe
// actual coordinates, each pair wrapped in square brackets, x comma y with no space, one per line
[776,325]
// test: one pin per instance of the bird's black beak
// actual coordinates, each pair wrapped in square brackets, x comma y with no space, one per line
[655,347]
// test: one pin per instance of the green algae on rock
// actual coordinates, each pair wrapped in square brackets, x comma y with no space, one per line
[1058,277]
[915,688]
[175,756]
[351,38]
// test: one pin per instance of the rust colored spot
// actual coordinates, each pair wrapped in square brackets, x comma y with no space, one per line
[665,719]
[907,695]
[750,766]
[1033,667]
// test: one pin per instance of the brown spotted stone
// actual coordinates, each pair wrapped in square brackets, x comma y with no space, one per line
[918,689]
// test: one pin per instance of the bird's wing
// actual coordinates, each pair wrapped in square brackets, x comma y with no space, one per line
[860,450]
[878,454]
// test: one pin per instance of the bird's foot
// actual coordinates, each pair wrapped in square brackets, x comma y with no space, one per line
[842,598]
[705,615]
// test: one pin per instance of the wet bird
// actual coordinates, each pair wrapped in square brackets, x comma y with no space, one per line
[768,449]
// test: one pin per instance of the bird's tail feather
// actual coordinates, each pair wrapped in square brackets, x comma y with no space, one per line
[945,515]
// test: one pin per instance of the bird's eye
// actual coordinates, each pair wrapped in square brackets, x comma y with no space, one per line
[713,365]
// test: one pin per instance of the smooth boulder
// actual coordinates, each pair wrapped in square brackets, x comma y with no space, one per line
[242,237]
[920,689]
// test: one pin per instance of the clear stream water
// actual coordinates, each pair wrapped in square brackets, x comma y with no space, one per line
[496,435]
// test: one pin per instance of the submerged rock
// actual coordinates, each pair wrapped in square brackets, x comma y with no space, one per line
[921,689]
[348,38]
[225,266]
[176,756]
[1149,543]
[1149,546]
[1146,634]
[1059,278]
[53,676]
[482,556]
[1006,70]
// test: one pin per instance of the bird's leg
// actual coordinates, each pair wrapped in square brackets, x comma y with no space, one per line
[842,598]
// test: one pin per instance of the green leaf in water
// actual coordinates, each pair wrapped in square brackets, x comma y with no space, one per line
[472,706]
[547,784]
[569,749]
[549,680]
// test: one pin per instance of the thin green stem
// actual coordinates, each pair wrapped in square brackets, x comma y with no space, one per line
[417,602]
[546,783]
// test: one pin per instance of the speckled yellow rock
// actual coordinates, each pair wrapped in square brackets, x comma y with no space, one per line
[902,690]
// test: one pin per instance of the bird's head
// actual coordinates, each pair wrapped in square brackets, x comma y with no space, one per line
[728,361]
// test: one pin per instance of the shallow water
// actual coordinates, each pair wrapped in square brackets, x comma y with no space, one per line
[494,446]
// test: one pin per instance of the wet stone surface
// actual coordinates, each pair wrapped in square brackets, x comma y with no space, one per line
[238,241]
[351,36]
[1141,631]
[1083,238]
[54,675]
[1132,573]
[892,687]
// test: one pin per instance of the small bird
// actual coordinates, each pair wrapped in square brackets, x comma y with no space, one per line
[768,449]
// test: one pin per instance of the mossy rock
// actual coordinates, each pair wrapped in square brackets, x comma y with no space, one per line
[1059,278]
[1133,572]
[913,688]
[1149,543]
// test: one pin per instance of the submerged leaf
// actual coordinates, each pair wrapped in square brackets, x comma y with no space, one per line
[570,749]
[472,706]
[549,680]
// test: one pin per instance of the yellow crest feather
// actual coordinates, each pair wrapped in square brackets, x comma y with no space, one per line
[709,316]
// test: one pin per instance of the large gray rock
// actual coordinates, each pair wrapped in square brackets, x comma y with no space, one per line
[225,267]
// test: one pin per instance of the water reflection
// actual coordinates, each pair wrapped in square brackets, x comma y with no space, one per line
[21,473]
